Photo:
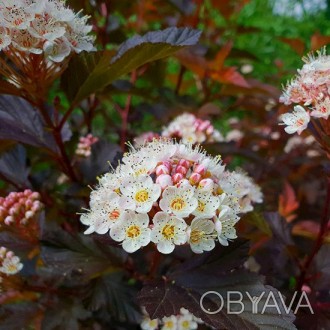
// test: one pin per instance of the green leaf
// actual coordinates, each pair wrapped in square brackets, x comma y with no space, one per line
[132,54]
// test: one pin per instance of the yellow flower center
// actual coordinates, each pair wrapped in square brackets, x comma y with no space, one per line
[178,204]
[142,196]
[133,231]
[168,231]
[114,215]
[185,324]
[169,324]
[201,206]
[196,236]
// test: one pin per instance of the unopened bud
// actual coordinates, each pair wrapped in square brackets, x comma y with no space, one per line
[162,169]
[200,169]
[164,180]
[177,177]
[181,169]
[206,185]
[184,162]
[195,178]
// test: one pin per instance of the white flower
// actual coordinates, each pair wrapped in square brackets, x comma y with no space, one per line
[225,226]
[132,230]
[186,322]
[5,39]
[148,324]
[213,165]
[139,193]
[207,204]
[322,109]
[58,50]
[179,200]
[200,235]
[169,323]
[10,264]
[168,231]
[296,121]
[104,213]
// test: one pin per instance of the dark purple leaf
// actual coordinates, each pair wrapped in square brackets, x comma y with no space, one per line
[13,166]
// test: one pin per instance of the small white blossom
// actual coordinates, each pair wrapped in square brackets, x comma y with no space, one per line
[207,204]
[200,235]
[322,109]
[169,323]
[179,200]
[9,263]
[186,322]
[139,193]
[296,121]
[148,324]
[132,230]
[168,231]
[225,226]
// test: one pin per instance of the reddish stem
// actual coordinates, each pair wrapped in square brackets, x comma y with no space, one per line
[319,240]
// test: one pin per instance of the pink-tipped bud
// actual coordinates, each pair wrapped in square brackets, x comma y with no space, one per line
[168,165]
[204,125]
[9,220]
[36,206]
[200,169]
[210,130]
[29,214]
[184,162]
[206,185]
[181,169]
[28,203]
[195,178]
[164,180]
[177,177]
[162,169]
[27,192]
[35,195]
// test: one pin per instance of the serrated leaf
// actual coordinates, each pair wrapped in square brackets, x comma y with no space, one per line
[184,288]
[13,166]
[132,54]
[20,121]
[110,292]
[65,315]
[77,256]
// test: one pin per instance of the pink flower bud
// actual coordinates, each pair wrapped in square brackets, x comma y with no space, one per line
[168,165]
[164,180]
[27,192]
[28,203]
[181,169]
[200,169]
[206,185]
[8,220]
[184,162]
[35,195]
[177,177]
[195,178]
[162,169]
[210,130]
[204,125]
[29,214]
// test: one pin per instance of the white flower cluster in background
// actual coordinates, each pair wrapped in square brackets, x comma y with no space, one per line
[310,91]
[9,263]
[170,193]
[183,321]
[43,26]
[84,147]
[188,128]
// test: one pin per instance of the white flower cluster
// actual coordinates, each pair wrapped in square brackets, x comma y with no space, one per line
[310,88]
[170,193]
[43,26]
[9,263]
[184,321]
[188,128]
